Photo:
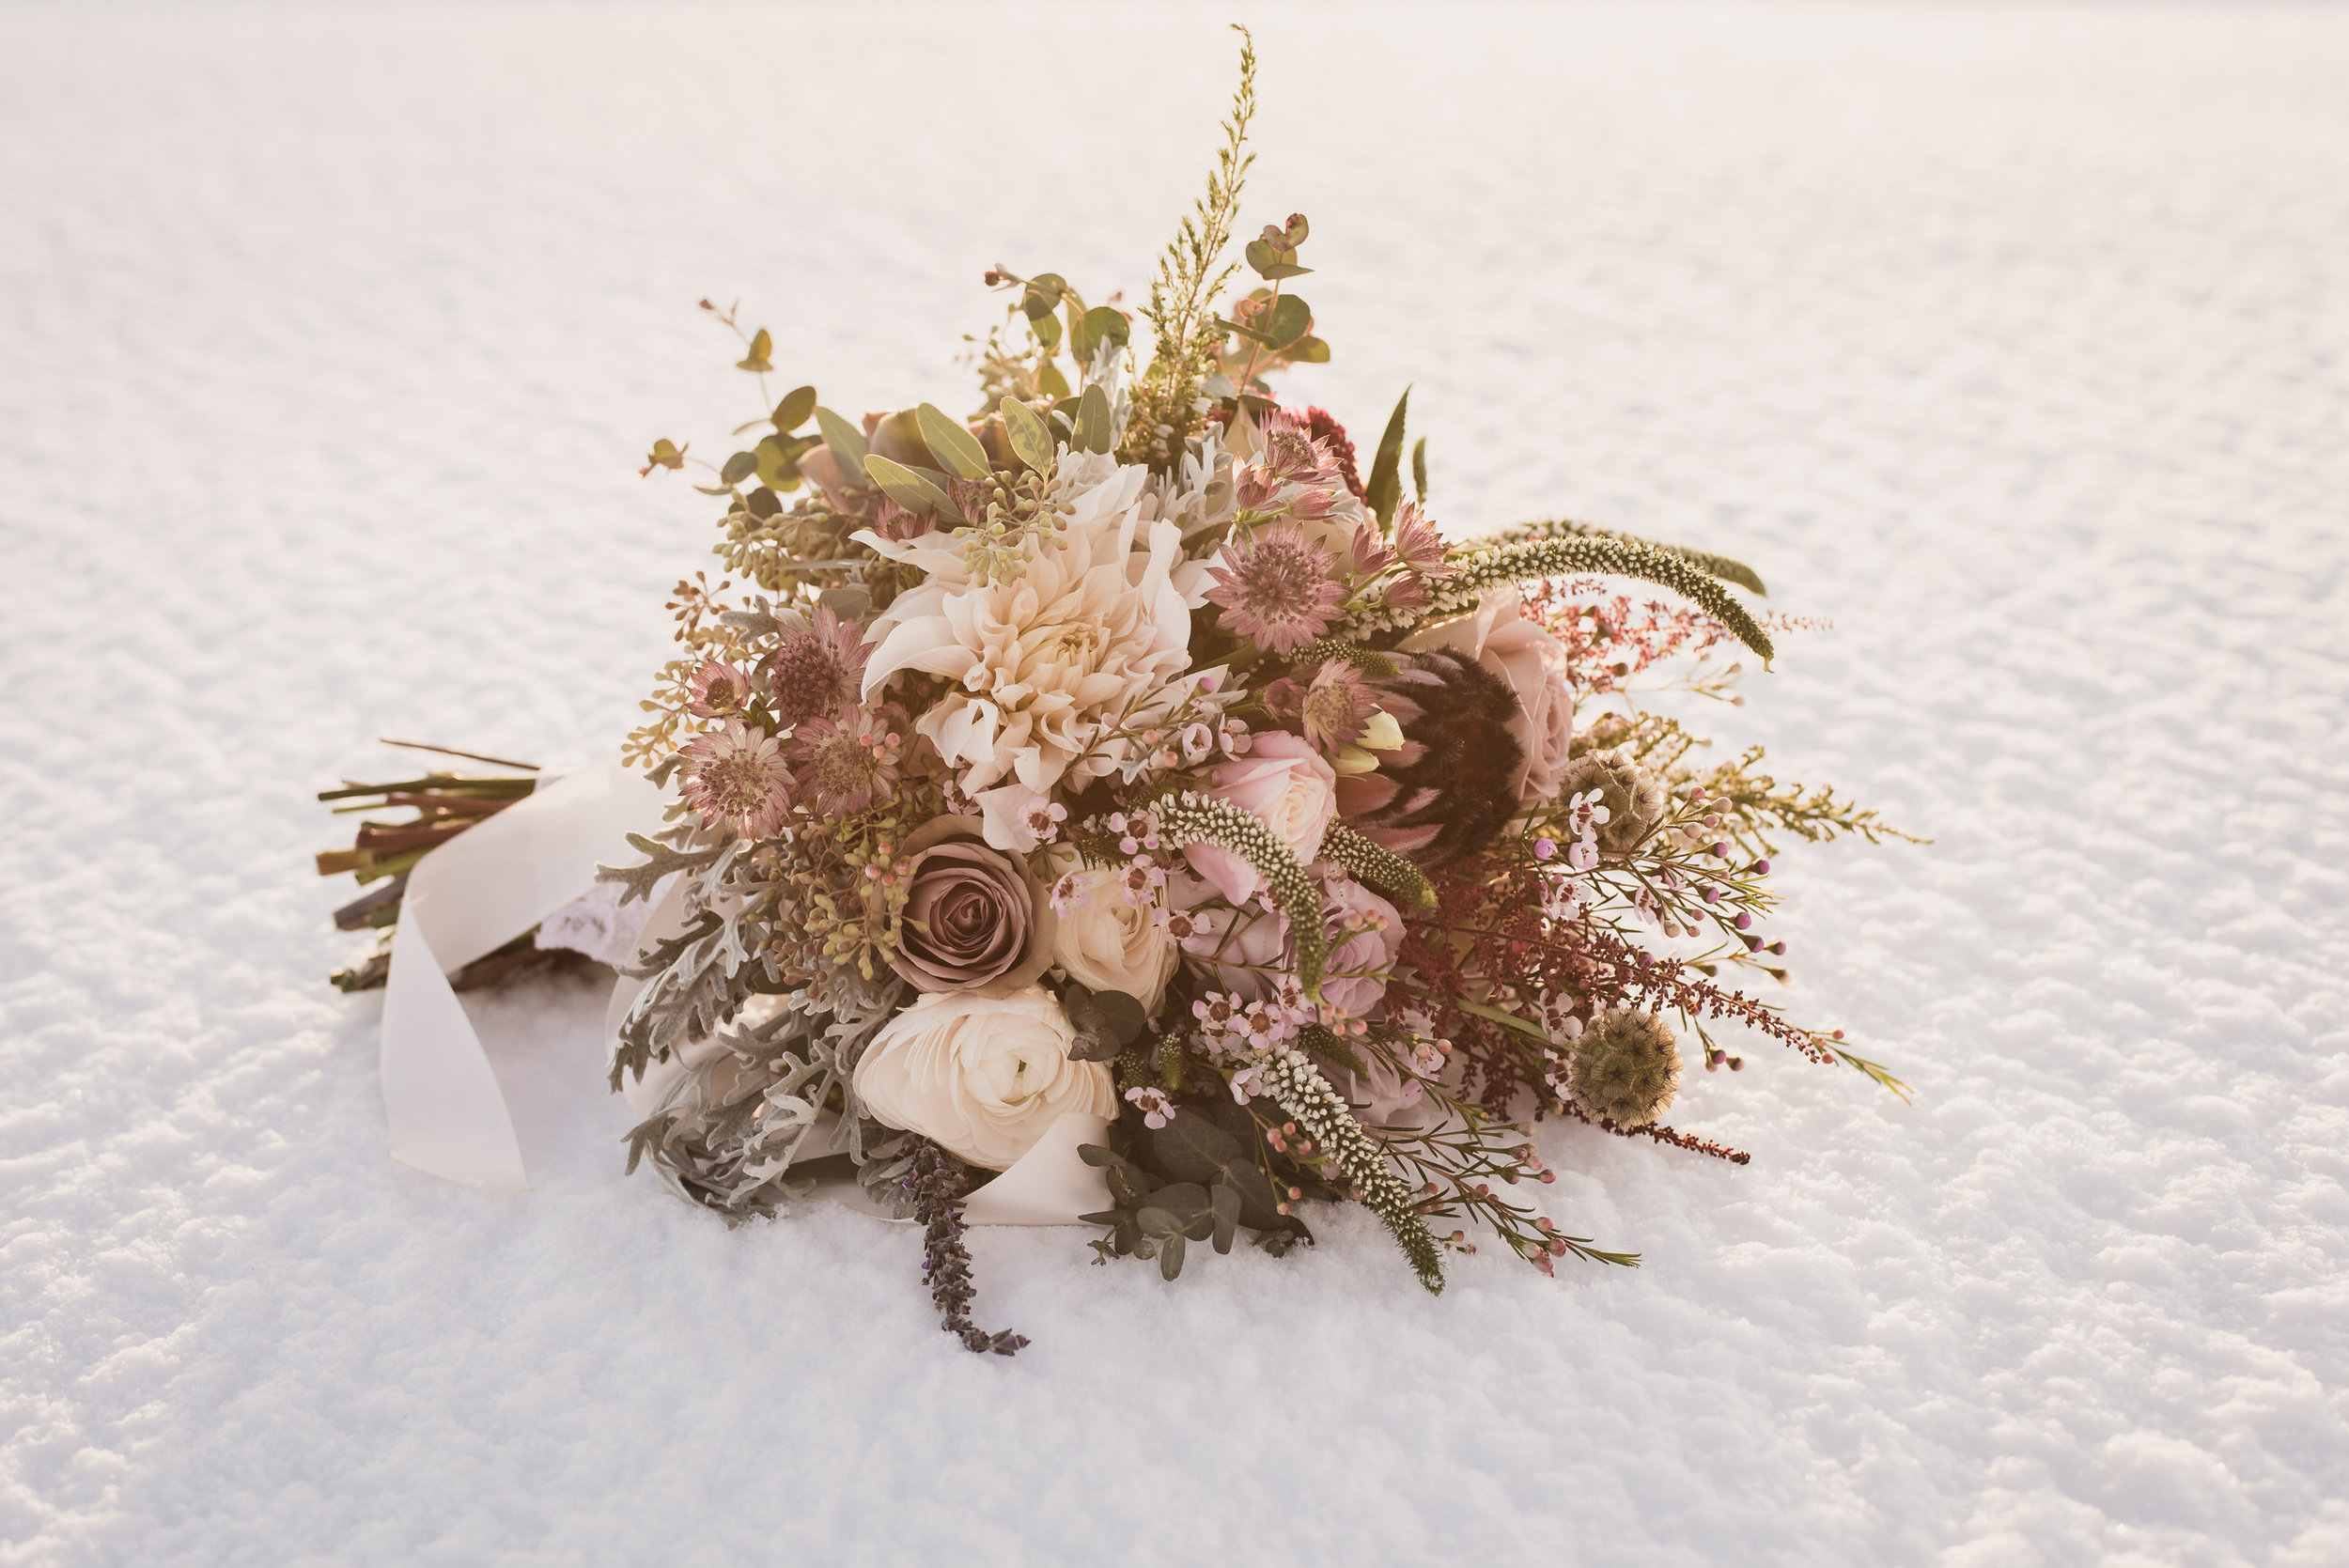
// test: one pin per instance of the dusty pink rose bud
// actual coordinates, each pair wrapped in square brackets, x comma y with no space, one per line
[1283,781]
[973,916]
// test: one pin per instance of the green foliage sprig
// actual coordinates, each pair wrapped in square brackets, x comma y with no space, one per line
[1191,274]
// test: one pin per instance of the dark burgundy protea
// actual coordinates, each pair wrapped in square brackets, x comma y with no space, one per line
[1448,789]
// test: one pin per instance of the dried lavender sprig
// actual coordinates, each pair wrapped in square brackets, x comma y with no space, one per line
[1722,566]
[1375,863]
[1479,572]
[1290,1078]
[937,1182]
[1186,819]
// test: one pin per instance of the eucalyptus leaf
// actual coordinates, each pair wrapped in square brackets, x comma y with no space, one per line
[1093,421]
[1274,265]
[1031,437]
[793,410]
[1043,295]
[1285,320]
[1309,351]
[951,445]
[1112,1019]
[1171,1257]
[1224,1198]
[849,604]
[844,441]
[908,490]
[1047,333]
[759,359]
[763,502]
[739,468]
[1048,378]
[1088,331]
[1419,470]
[778,458]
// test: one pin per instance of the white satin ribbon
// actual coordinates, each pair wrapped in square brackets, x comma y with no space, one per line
[489,885]
[471,897]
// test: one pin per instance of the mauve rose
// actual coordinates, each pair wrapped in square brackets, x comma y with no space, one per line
[1534,665]
[974,917]
[1283,781]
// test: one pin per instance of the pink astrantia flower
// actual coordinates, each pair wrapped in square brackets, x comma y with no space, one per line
[816,671]
[1276,589]
[1418,544]
[1336,709]
[849,760]
[717,691]
[1292,454]
[735,775]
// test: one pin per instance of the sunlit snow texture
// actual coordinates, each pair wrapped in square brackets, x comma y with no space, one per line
[2016,341]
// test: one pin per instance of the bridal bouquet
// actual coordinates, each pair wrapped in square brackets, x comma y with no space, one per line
[1123,770]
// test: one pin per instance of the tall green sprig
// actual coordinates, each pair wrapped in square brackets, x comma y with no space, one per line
[1183,294]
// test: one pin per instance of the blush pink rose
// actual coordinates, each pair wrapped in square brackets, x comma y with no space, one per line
[1354,975]
[1284,782]
[1534,665]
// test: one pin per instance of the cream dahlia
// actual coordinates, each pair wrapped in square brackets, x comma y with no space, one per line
[1050,660]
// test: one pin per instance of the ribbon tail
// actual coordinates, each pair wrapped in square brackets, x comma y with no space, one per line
[468,897]
[1051,1184]
[448,1114]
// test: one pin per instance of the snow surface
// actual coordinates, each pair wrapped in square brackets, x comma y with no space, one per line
[2016,340]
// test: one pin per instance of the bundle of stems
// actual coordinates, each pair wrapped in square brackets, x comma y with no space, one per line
[383,852]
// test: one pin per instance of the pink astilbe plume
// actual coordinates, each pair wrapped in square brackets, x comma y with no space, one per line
[736,776]
[1276,589]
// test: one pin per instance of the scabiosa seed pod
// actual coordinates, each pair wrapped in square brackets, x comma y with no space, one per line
[1448,789]
[1624,1067]
[1634,797]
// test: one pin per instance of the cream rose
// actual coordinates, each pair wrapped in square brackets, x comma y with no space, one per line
[1107,941]
[981,1076]
[1534,665]
[1283,780]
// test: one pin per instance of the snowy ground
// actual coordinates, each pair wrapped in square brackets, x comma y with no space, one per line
[2016,340]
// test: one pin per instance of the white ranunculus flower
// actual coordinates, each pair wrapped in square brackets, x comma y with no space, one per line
[981,1076]
[1049,659]
[1107,941]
